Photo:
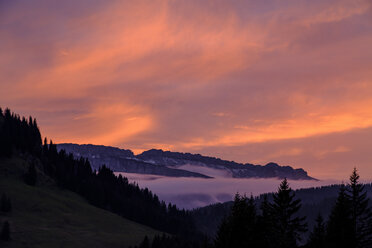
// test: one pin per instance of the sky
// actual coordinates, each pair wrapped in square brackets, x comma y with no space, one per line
[249,81]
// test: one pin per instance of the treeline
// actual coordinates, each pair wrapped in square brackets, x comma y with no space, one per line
[313,201]
[277,224]
[18,134]
[101,188]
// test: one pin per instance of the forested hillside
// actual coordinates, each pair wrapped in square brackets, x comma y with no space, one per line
[21,137]
[46,215]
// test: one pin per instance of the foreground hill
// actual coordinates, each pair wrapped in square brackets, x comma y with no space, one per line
[48,216]
[176,164]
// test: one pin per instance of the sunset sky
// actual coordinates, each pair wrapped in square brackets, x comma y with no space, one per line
[250,81]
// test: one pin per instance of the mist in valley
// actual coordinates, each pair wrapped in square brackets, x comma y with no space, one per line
[189,193]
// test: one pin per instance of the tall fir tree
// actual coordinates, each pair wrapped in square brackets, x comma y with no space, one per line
[265,225]
[361,213]
[287,226]
[251,224]
[339,226]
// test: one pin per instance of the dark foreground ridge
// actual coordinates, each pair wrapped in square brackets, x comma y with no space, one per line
[166,163]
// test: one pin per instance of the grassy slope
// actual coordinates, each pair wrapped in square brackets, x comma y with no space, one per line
[46,216]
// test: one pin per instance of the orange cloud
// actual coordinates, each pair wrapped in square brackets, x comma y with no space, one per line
[344,118]
[107,124]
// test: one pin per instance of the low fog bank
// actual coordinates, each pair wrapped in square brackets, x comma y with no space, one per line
[206,170]
[190,193]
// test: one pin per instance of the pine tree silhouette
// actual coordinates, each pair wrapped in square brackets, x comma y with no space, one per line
[340,225]
[287,225]
[361,214]
[265,225]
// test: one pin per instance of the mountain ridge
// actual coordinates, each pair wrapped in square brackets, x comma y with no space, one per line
[167,163]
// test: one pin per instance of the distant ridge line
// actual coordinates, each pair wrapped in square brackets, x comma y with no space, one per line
[167,163]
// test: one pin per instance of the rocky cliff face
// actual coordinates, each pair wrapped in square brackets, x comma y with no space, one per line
[158,162]
[120,160]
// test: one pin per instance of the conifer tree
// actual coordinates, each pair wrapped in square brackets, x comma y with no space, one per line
[251,224]
[239,229]
[287,225]
[45,147]
[361,214]
[339,226]
[6,141]
[5,232]
[264,225]
[318,235]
